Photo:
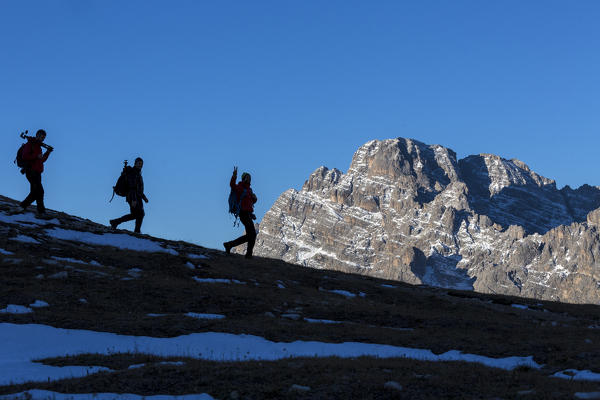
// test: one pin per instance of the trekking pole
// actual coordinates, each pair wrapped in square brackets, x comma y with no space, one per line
[44,145]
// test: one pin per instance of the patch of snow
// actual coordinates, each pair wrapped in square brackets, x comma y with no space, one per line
[190,265]
[198,256]
[39,304]
[587,395]
[83,301]
[67,259]
[119,240]
[27,218]
[15,309]
[25,239]
[59,275]
[204,316]
[217,280]
[393,385]
[299,388]
[156,315]
[36,394]
[322,321]
[95,263]
[577,375]
[20,345]
[134,272]
[344,293]
[6,252]
[388,286]
[520,306]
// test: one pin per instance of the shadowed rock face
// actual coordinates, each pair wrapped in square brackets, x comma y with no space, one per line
[412,212]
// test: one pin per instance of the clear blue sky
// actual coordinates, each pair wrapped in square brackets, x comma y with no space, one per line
[282,87]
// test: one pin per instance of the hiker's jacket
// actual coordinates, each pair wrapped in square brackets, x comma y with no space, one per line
[31,153]
[247,199]
[136,186]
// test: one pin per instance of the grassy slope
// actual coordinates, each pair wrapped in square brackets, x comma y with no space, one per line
[557,335]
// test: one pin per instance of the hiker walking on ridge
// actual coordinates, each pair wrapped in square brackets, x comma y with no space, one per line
[243,207]
[33,160]
[135,195]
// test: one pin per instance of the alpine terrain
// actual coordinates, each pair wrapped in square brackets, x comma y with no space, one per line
[412,212]
[92,313]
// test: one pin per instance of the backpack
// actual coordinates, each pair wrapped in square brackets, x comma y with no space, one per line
[19,159]
[121,188]
[235,204]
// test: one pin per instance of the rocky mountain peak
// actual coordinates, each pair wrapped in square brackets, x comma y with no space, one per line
[397,159]
[410,211]
[497,173]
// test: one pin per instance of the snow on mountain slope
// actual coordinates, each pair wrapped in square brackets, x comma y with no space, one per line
[412,212]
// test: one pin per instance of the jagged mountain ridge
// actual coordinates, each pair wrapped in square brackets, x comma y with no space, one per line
[412,212]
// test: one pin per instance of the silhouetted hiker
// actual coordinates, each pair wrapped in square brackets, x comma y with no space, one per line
[245,204]
[31,155]
[135,195]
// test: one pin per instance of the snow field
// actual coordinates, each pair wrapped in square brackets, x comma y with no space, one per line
[20,345]
[26,219]
[118,240]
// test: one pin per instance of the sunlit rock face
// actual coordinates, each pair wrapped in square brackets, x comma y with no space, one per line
[412,212]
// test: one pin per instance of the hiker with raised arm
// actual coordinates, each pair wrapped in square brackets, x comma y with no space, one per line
[241,204]
[31,159]
[132,184]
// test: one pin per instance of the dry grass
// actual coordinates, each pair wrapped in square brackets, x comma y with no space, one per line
[557,335]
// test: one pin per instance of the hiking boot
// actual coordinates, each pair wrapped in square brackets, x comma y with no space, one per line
[227,247]
[113,223]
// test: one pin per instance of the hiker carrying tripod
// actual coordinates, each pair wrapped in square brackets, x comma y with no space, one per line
[31,161]
[243,206]
[134,195]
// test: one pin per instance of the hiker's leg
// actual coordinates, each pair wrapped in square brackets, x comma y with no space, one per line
[250,235]
[246,219]
[241,240]
[124,218]
[39,198]
[32,187]
[139,216]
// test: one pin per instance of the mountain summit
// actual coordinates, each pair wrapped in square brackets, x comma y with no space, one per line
[412,212]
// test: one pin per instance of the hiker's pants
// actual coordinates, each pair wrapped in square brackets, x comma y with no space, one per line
[250,236]
[136,213]
[36,192]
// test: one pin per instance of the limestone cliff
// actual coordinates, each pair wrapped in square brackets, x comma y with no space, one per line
[409,211]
